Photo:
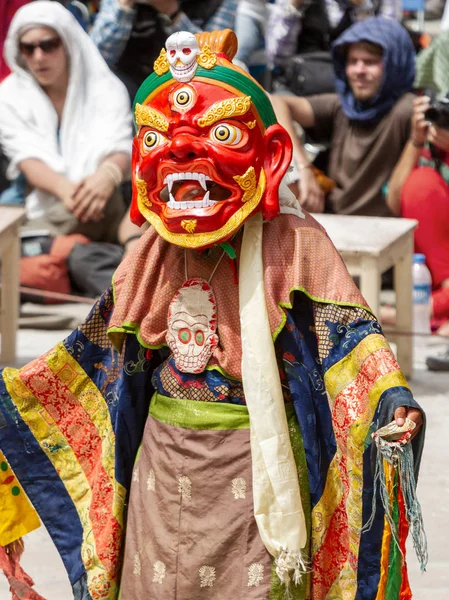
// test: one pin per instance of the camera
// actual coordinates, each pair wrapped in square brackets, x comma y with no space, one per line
[438,113]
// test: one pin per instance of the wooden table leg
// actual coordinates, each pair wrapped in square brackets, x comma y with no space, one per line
[10,299]
[370,282]
[403,286]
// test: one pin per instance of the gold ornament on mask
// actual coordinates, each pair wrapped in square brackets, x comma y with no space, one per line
[161,64]
[142,194]
[189,225]
[150,117]
[251,124]
[248,183]
[206,58]
[225,109]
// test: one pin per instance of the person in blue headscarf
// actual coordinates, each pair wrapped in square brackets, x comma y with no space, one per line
[367,120]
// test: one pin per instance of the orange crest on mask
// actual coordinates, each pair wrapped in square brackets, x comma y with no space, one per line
[208,152]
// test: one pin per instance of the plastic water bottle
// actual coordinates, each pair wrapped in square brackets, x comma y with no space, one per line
[422,292]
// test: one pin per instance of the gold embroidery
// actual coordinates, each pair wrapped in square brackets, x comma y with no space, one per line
[189,225]
[251,124]
[248,183]
[159,571]
[255,574]
[151,481]
[161,64]
[239,488]
[206,58]
[145,115]
[142,194]
[207,576]
[67,375]
[226,109]
[185,487]
[137,568]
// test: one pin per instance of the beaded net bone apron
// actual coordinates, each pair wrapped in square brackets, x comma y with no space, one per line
[192,322]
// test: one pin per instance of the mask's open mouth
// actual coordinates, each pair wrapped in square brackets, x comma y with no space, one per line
[185,191]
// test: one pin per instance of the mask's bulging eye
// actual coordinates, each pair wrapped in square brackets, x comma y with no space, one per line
[184,98]
[152,139]
[226,134]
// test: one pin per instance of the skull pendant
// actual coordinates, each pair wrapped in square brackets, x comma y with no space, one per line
[192,326]
[182,50]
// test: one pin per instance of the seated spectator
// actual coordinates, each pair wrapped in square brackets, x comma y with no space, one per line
[419,189]
[432,65]
[250,22]
[65,125]
[129,33]
[367,122]
[299,26]
[7,11]
[52,113]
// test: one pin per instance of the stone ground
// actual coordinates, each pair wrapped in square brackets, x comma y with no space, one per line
[430,389]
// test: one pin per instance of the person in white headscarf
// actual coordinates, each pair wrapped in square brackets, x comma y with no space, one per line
[65,124]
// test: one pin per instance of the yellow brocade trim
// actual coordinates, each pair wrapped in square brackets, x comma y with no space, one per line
[386,538]
[338,381]
[226,109]
[92,401]
[327,504]
[200,240]
[342,373]
[18,516]
[58,451]
[145,115]
[387,381]
[345,586]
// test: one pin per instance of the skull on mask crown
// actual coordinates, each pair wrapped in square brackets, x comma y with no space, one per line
[182,50]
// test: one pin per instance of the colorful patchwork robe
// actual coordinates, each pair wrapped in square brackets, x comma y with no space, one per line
[71,421]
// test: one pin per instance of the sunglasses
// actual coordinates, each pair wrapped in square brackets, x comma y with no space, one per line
[47,46]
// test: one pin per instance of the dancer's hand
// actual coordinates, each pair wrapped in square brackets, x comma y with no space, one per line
[414,414]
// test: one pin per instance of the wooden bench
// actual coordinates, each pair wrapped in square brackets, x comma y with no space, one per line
[10,221]
[370,246]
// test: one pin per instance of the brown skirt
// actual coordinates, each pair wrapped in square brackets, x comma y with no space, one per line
[191,531]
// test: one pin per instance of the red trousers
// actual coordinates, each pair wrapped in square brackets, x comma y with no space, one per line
[425,197]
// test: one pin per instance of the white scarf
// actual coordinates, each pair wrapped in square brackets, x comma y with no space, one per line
[96,120]
[277,500]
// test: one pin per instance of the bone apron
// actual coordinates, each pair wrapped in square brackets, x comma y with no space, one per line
[192,323]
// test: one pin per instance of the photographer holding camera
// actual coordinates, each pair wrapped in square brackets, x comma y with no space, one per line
[419,189]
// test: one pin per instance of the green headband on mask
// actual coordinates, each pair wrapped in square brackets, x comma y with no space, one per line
[237,80]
